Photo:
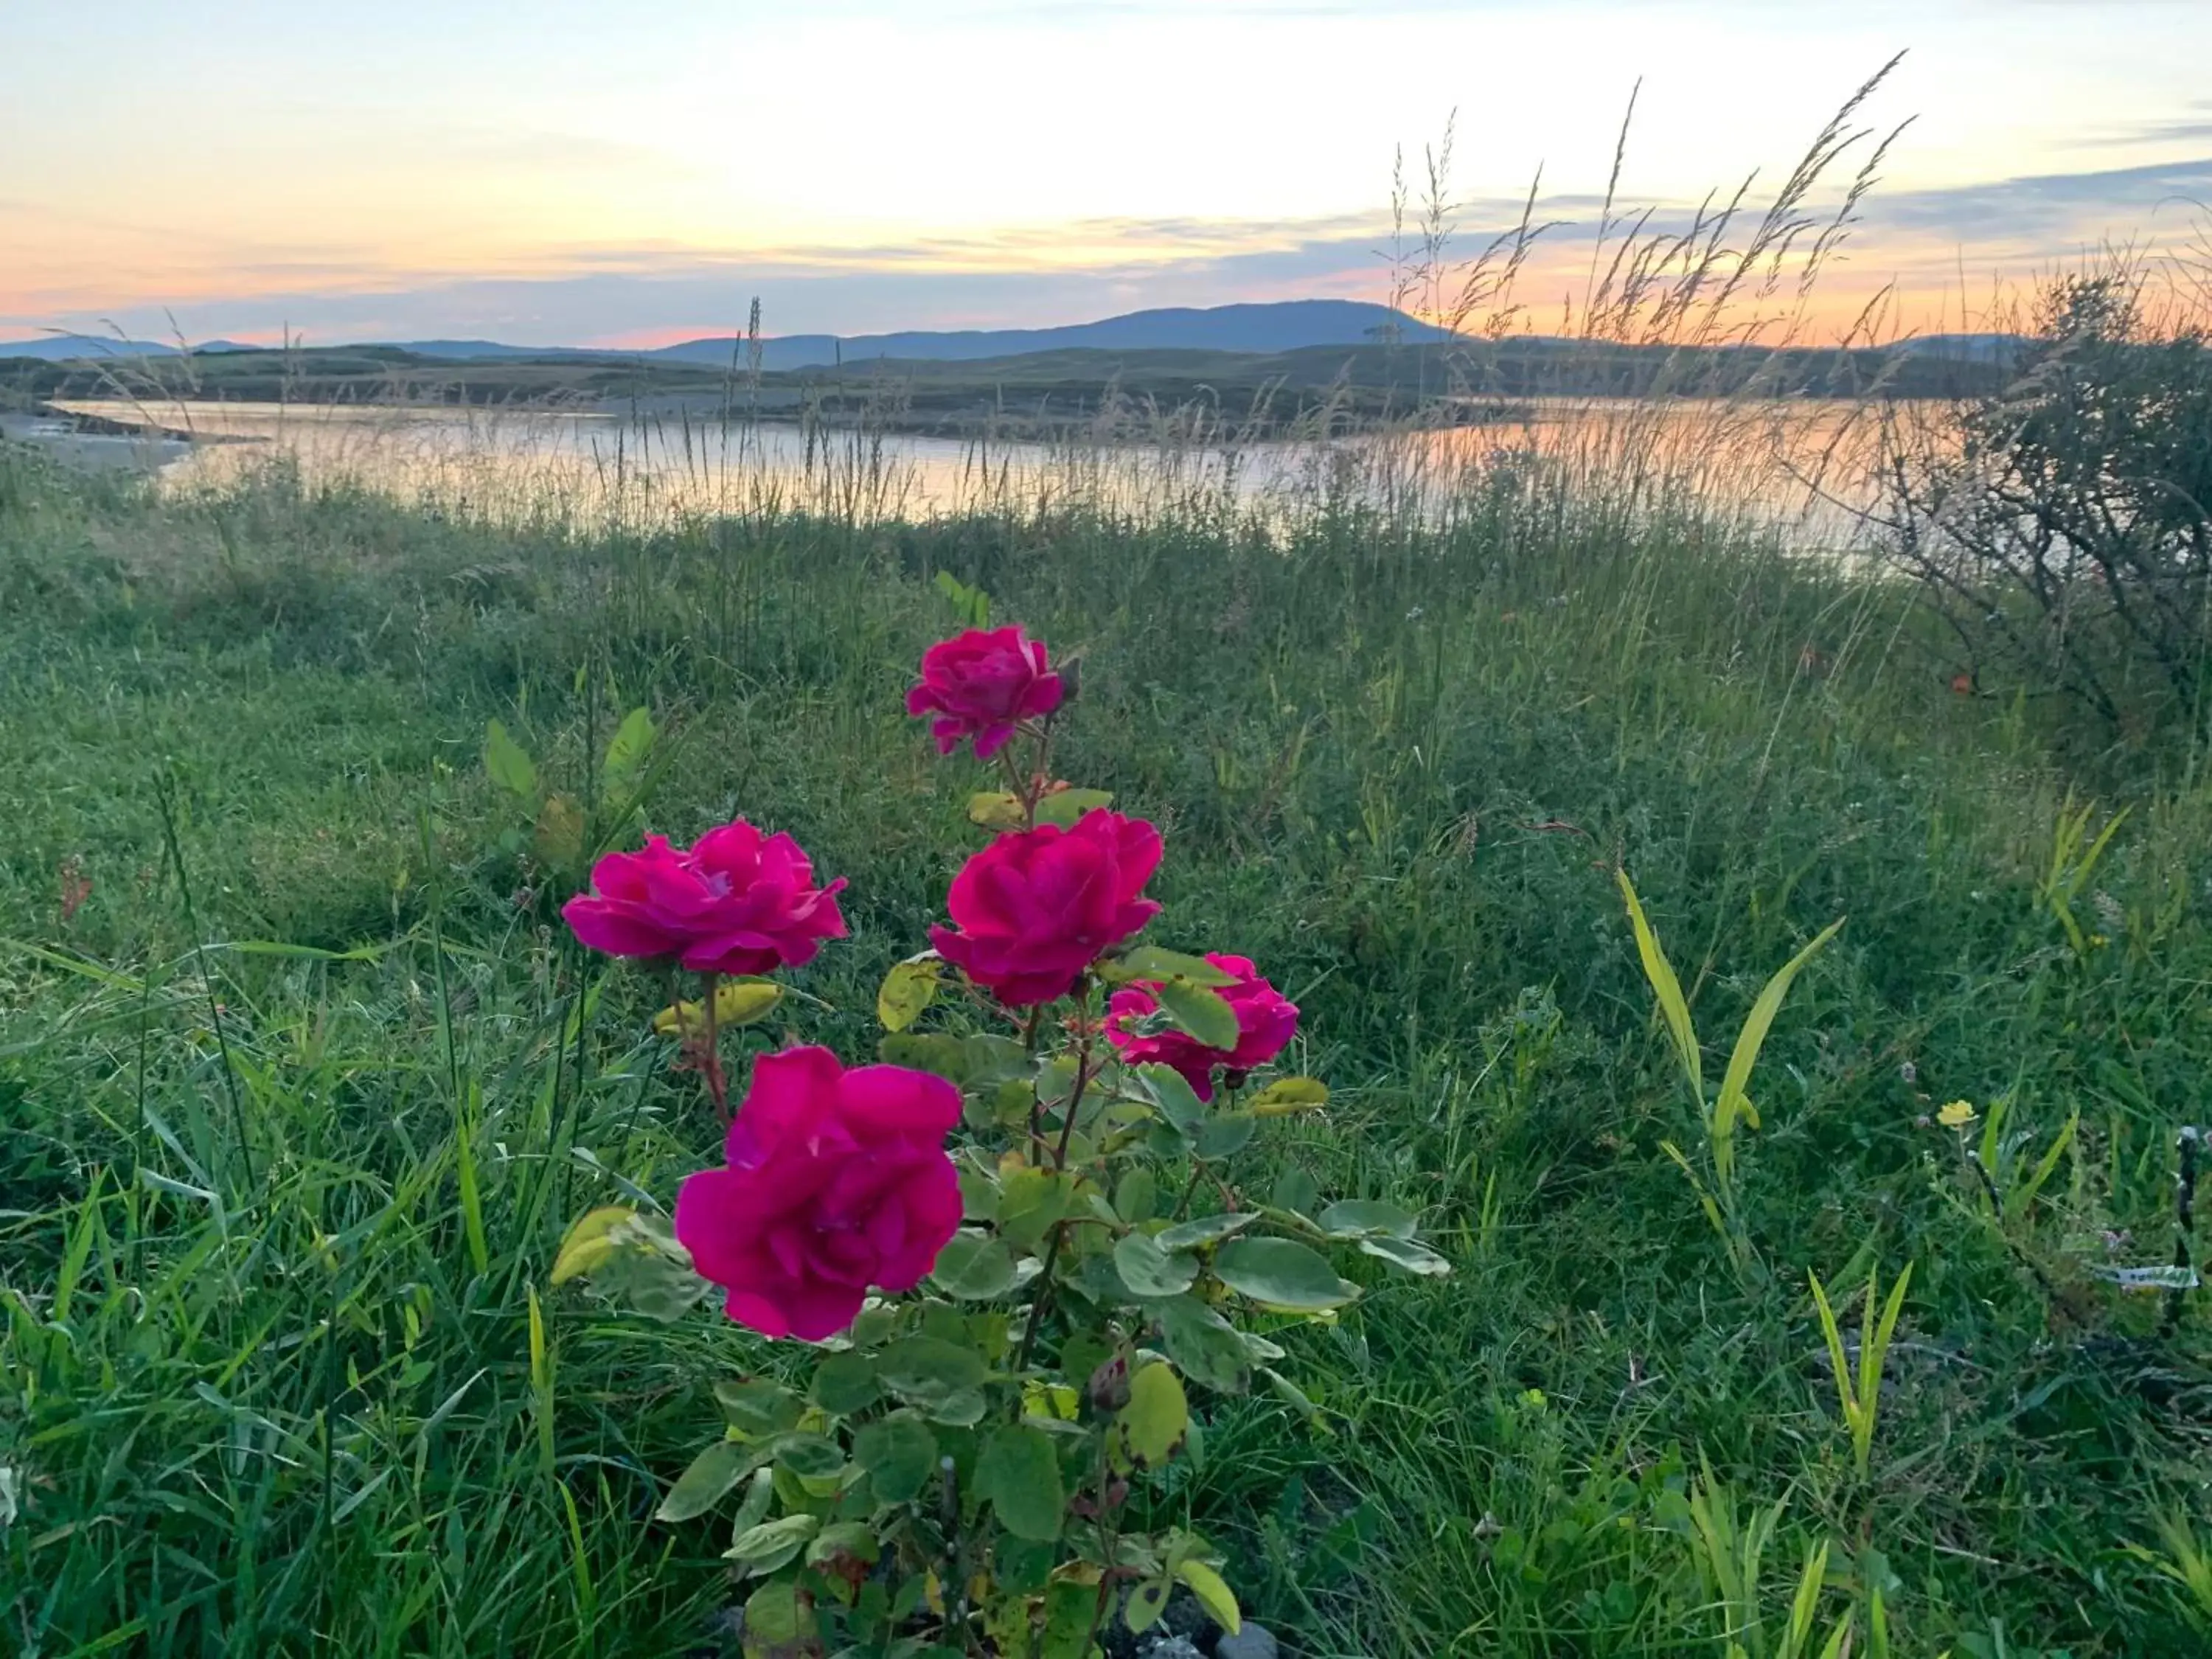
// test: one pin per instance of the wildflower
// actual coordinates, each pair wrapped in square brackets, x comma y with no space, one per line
[1956,1116]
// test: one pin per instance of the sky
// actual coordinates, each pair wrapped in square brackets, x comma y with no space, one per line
[561,173]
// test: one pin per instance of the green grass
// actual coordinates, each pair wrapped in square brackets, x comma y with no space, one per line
[260,1392]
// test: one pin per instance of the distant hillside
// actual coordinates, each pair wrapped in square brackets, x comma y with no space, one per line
[1282,325]
[68,348]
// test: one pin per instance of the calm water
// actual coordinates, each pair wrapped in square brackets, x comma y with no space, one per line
[1801,464]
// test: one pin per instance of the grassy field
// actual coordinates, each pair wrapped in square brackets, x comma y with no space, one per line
[300,1082]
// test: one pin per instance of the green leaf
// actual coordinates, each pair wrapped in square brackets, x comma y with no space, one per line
[776,1619]
[926,1051]
[509,768]
[808,1456]
[752,1507]
[844,1383]
[773,1543]
[1178,1102]
[1205,1229]
[899,1452]
[1064,806]
[759,1408]
[1150,1428]
[1070,1608]
[1407,1253]
[1732,1103]
[1205,1346]
[1286,1095]
[1295,1190]
[974,1266]
[850,1540]
[1212,1593]
[970,605]
[1029,1202]
[1146,1602]
[906,990]
[1202,1012]
[1280,1272]
[995,809]
[713,1472]
[1151,963]
[1149,1271]
[1022,1566]
[1362,1217]
[631,742]
[591,1238]
[1226,1133]
[1019,1475]
[927,1370]
[1297,1399]
[1137,1196]
[1667,988]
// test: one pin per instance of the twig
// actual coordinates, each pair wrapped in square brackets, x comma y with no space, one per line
[2184,1225]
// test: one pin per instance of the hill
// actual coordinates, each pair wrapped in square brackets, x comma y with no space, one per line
[1264,329]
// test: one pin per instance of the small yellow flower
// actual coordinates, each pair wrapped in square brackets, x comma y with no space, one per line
[1957,1115]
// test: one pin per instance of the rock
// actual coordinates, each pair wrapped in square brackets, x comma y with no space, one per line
[1253,1642]
[1172,1647]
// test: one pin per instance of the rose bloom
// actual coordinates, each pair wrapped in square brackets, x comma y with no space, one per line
[736,902]
[1035,909]
[1265,1021]
[981,686]
[836,1181]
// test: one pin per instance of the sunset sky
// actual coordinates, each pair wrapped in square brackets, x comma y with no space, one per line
[596,173]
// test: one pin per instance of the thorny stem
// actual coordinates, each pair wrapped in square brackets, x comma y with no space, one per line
[709,1053]
[1043,1305]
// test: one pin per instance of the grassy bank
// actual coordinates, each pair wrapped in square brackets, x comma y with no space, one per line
[267,1382]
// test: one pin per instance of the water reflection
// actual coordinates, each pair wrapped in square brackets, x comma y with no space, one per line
[1804,465]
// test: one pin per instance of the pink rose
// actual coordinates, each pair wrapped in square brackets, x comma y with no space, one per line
[1264,1022]
[735,903]
[1035,909]
[835,1180]
[982,683]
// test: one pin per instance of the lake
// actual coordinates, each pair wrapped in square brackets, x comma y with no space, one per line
[1803,466]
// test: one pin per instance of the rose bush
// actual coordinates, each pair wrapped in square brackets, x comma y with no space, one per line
[1022,1239]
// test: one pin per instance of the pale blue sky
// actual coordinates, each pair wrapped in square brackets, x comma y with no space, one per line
[564,172]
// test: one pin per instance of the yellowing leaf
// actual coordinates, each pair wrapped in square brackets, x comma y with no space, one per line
[1214,1594]
[1053,1402]
[906,990]
[558,840]
[1667,988]
[1158,1417]
[589,1242]
[995,809]
[737,1002]
[1286,1095]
